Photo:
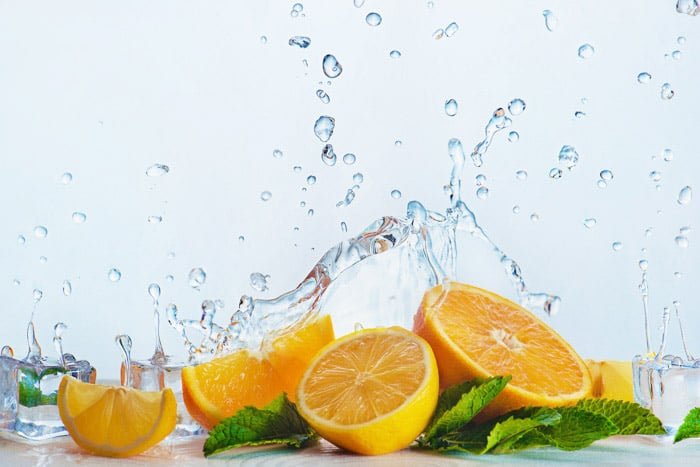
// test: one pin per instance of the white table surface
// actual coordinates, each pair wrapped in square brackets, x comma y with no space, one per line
[630,450]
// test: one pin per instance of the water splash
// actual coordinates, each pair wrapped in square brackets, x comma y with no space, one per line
[688,7]
[34,349]
[123,341]
[158,353]
[644,291]
[677,307]
[498,122]
[58,330]
[550,21]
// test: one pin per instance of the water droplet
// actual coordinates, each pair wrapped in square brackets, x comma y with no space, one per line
[296,9]
[516,106]
[590,222]
[37,294]
[438,34]
[602,183]
[555,173]
[358,178]
[534,217]
[259,281]
[358,3]
[263,40]
[373,19]
[277,154]
[323,128]
[480,179]
[655,175]
[7,351]
[79,217]
[513,137]
[681,241]
[676,54]
[241,238]
[154,292]
[349,158]
[302,204]
[685,230]
[157,170]
[617,246]
[668,155]
[550,21]
[265,195]
[331,66]
[396,194]
[648,232]
[114,275]
[688,7]
[311,179]
[451,29]
[516,209]
[521,175]
[328,155]
[343,227]
[586,51]
[677,275]
[43,259]
[67,288]
[643,264]
[568,157]
[40,231]
[685,195]
[398,143]
[666,92]
[196,278]
[300,41]
[606,175]
[451,107]
[66,178]
[482,192]
[430,4]
[579,114]
[395,54]
[169,278]
[21,239]
[310,213]
[643,77]
[321,94]
[297,168]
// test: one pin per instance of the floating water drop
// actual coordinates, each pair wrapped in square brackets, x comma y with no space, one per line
[358,178]
[555,173]
[396,194]
[516,106]
[328,156]
[516,209]
[43,259]
[7,351]
[668,155]
[534,217]
[349,158]
[16,282]
[676,54]
[169,278]
[321,94]
[685,230]
[513,137]
[685,195]
[263,40]
[297,168]
[331,66]
[643,264]
[157,170]
[655,175]
[682,241]
[343,227]
[40,231]
[606,175]
[586,51]
[643,77]
[590,222]
[568,156]
[79,217]
[602,183]
[677,275]
[398,143]
[430,4]
[300,41]
[196,278]
[21,239]
[311,179]
[579,114]
[277,154]
[310,213]
[550,21]
[496,123]
[688,7]
[438,34]
[617,246]
[154,292]
[241,238]
[451,29]
[358,3]
[451,107]
[666,92]
[66,178]
[296,9]
[482,192]
[323,128]
[259,281]
[114,275]
[521,175]
[680,40]
[373,19]
[67,288]
[124,343]
[265,195]
[395,54]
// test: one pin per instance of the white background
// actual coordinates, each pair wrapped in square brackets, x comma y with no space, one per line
[106,90]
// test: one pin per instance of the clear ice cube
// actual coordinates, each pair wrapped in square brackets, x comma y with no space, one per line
[8,393]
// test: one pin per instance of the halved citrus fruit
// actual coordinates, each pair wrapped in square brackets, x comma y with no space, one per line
[217,389]
[477,333]
[372,391]
[612,379]
[115,421]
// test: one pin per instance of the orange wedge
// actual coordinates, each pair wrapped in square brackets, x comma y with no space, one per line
[217,389]
[115,421]
[612,379]
[476,333]
[372,391]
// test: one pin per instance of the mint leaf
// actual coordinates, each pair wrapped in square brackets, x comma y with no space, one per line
[690,428]
[276,423]
[629,417]
[576,430]
[459,404]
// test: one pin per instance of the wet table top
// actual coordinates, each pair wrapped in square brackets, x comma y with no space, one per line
[633,450]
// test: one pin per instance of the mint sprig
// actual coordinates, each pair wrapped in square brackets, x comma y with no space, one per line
[276,423]
[566,428]
[690,428]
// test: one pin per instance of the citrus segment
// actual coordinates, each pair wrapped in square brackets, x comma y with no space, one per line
[612,379]
[372,391]
[115,421]
[477,333]
[217,389]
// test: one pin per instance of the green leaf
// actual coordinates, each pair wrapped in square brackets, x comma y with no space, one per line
[577,429]
[276,423]
[459,404]
[690,428]
[630,418]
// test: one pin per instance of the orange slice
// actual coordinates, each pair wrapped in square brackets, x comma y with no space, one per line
[372,391]
[612,379]
[476,333]
[115,421]
[217,389]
